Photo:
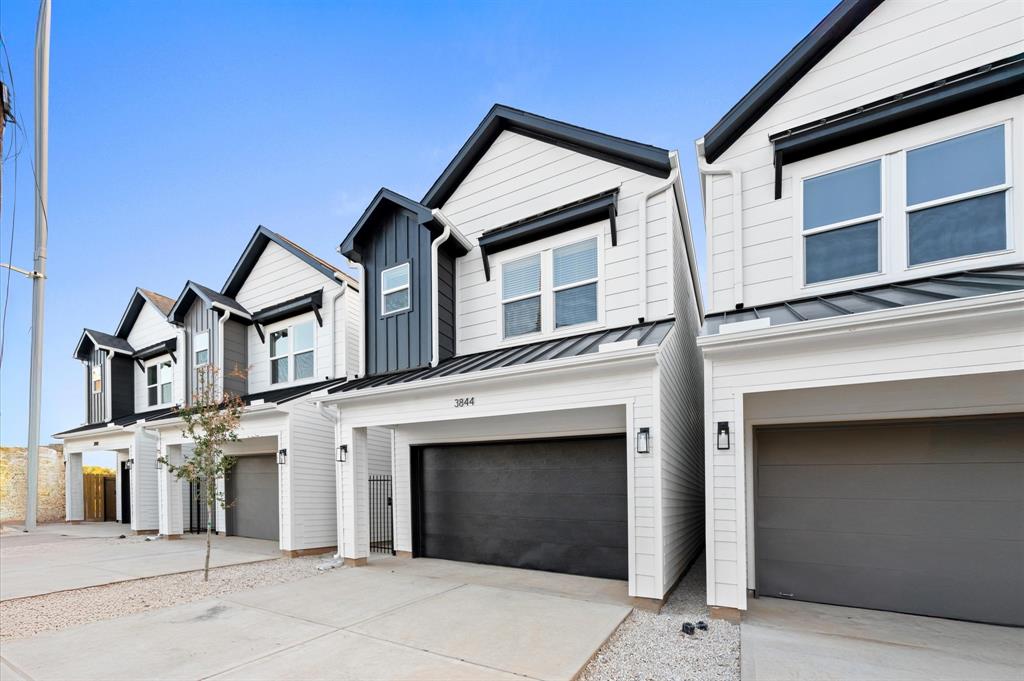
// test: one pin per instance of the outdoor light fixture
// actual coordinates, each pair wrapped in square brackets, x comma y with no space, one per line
[156,463]
[282,455]
[342,455]
[643,441]
[128,463]
[723,435]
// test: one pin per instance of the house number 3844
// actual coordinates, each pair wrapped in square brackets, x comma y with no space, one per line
[464,402]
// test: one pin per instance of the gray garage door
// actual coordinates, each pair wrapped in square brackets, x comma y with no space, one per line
[251,489]
[556,505]
[923,517]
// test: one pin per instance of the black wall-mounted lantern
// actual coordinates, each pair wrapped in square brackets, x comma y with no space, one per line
[723,435]
[128,463]
[342,454]
[643,441]
[282,456]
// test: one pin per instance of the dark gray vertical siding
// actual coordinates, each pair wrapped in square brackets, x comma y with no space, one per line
[97,401]
[445,304]
[236,365]
[398,341]
[198,319]
[122,386]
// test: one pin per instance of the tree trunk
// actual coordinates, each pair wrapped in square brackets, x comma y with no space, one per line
[211,508]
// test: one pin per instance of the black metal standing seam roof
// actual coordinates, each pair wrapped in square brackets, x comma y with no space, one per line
[646,334]
[966,284]
[281,395]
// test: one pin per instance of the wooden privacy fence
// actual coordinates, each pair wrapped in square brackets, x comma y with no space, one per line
[95,491]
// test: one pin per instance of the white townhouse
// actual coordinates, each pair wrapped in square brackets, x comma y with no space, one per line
[530,349]
[864,337]
[130,376]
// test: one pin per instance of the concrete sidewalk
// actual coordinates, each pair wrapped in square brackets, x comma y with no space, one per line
[58,558]
[353,623]
[784,640]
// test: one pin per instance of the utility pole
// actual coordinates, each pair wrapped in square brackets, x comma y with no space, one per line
[35,385]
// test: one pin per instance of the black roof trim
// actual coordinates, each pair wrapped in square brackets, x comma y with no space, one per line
[128,420]
[555,221]
[964,284]
[643,157]
[192,291]
[646,334]
[254,249]
[102,340]
[139,298]
[164,347]
[838,24]
[952,95]
[289,308]
[349,247]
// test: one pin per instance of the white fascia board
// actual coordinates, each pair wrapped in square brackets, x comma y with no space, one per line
[246,411]
[607,359]
[961,308]
[108,429]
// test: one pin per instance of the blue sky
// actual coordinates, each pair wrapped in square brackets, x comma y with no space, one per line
[177,127]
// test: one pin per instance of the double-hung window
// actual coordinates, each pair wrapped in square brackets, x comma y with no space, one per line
[291,353]
[97,378]
[956,197]
[552,290]
[395,289]
[159,379]
[842,212]
[201,348]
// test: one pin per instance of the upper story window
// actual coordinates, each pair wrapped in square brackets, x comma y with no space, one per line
[291,352]
[395,289]
[202,348]
[956,197]
[551,290]
[159,380]
[97,378]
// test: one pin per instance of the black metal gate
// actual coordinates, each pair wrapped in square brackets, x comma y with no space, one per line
[382,525]
[197,510]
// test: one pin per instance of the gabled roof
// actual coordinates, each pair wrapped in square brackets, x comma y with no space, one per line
[382,201]
[846,16]
[192,291]
[966,284]
[642,157]
[99,339]
[139,298]
[254,249]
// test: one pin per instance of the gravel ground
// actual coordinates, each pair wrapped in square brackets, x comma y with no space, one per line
[651,646]
[25,617]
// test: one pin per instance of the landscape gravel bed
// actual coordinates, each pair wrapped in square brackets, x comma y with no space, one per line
[25,617]
[652,647]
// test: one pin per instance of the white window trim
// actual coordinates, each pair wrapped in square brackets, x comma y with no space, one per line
[545,248]
[164,359]
[290,324]
[395,289]
[196,349]
[93,370]
[894,228]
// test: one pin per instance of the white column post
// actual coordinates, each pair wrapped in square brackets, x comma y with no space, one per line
[74,500]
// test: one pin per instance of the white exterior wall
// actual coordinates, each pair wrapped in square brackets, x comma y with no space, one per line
[313,512]
[145,505]
[378,451]
[875,365]
[151,327]
[901,45]
[279,276]
[524,412]
[519,177]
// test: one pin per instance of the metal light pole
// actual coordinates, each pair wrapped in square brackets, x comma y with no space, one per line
[35,385]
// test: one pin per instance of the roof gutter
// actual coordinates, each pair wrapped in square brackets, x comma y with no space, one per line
[707,169]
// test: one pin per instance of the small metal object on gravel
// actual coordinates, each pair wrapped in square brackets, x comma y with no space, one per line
[702,625]
[689,629]
[648,646]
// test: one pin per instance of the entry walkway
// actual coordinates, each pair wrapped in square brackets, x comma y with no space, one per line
[385,621]
[61,557]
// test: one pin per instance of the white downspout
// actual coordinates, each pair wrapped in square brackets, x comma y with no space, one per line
[706,168]
[334,329]
[642,229]
[362,318]
[220,347]
[435,332]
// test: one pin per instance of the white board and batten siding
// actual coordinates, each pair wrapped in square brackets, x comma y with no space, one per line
[145,505]
[519,177]
[151,327]
[279,276]
[901,45]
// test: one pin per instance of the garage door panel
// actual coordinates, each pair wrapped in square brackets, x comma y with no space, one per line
[252,490]
[557,505]
[892,480]
[922,517]
[938,519]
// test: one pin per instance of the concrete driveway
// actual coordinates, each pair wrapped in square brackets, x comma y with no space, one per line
[785,640]
[396,619]
[61,557]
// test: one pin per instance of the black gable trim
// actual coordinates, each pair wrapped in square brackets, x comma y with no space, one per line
[131,313]
[826,35]
[92,338]
[192,291]
[968,90]
[381,201]
[555,221]
[254,249]
[642,157]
